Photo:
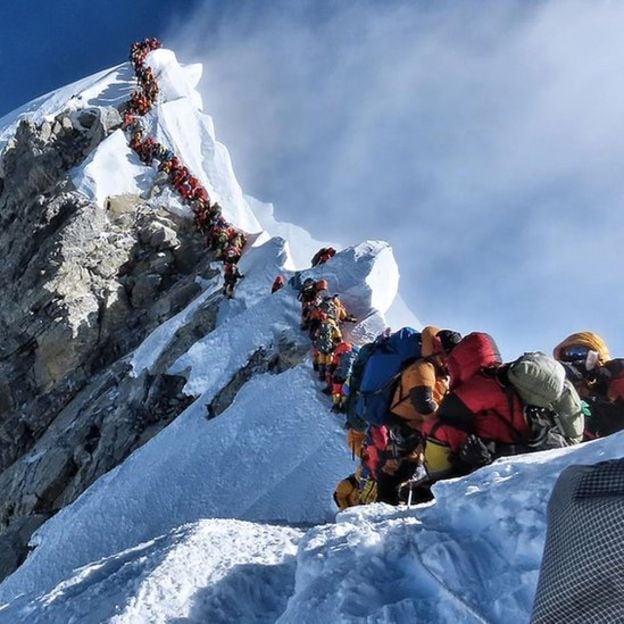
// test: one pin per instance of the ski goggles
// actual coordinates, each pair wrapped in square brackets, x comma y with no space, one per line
[574,353]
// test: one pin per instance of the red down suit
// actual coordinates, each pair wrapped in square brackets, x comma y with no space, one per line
[478,403]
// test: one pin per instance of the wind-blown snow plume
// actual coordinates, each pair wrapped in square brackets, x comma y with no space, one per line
[481,140]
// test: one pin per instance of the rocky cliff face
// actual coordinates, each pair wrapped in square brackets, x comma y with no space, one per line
[81,287]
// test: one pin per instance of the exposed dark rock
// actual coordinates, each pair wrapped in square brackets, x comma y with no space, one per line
[82,287]
[283,357]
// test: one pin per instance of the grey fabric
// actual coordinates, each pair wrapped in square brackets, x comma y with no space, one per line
[582,574]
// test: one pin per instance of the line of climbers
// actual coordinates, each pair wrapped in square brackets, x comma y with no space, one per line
[428,406]
[222,237]
[419,406]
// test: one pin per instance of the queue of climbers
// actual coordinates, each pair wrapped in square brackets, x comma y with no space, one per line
[223,238]
[419,406]
[425,406]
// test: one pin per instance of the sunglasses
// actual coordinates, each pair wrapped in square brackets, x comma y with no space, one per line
[572,354]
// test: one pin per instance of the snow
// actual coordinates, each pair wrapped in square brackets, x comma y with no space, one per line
[112,169]
[155,344]
[472,556]
[275,318]
[210,571]
[111,87]
[178,123]
[175,81]
[261,460]
[301,246]
[274,455]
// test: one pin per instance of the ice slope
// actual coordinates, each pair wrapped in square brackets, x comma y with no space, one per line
[217,571]
[471,557]
[275,454]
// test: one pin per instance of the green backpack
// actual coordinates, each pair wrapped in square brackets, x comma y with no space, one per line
[551,400]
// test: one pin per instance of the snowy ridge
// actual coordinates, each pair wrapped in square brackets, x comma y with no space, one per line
[110,87]
[178,123]
[472,556]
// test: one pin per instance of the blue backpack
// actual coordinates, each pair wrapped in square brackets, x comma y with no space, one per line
[389,356]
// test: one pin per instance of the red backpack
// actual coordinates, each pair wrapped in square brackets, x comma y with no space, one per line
[473,353]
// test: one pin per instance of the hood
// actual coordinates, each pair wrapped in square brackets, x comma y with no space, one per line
[585,339]
[429,347]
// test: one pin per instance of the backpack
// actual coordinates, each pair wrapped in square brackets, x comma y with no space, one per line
[345,364]
[324,338]
[537,378]
[615,389]
[347,493]
[322,255]
[389,356]
[317,255]
[357,370]
[553,408]
[329,307]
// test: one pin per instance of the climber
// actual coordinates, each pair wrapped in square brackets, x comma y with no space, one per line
[418,393]
[310,295]
[231,276]
[278,284]
[340,368]
[322,256]
[340,311]
[598,378]
[200,194]
[399,462]
[307,292]
[130,121]
[423,384]
[326,337]
[477,410]
[232,254]
[218,238]
[236,238]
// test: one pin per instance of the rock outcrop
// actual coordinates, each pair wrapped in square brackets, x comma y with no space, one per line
[82,287]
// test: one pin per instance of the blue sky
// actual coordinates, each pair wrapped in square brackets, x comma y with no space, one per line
[486,145]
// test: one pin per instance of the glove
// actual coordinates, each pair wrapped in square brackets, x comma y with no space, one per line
[475,453]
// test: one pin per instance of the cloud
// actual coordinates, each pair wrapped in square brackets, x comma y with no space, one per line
[484,140]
